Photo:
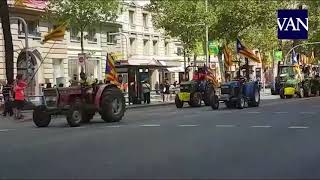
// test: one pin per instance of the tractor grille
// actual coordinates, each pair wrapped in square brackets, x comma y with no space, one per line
[225,90]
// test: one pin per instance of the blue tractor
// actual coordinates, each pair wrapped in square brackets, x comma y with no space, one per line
[240,92]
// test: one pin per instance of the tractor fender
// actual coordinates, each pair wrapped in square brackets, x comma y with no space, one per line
[100,91]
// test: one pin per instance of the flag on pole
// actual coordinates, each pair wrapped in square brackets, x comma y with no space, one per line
[111,73]
[227,57]
[56,34]
[246,52]
[294,58]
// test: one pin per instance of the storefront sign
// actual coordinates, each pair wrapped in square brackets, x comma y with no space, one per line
[213,47]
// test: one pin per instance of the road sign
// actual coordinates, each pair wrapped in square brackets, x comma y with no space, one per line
[213,47]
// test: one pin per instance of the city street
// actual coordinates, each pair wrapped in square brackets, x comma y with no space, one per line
[276,140]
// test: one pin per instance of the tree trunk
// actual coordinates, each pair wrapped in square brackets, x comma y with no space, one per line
[8,45]
[221,66]
[81,41]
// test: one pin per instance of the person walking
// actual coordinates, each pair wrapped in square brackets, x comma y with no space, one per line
[162,88]
[167,91]
[156,87]
[6,92]
[146,92]
[19,96]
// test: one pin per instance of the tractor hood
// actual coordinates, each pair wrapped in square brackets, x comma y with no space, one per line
[292,82]
[231,84]
[188,83]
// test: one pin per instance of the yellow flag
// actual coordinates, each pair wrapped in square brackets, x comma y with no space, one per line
[56,34]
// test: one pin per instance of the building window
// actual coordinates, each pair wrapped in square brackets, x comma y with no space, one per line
[92,35]
[111,38]
[131,19]
[179,51]
[166,48]
[145,21]
[155,47]
[145,47]
[58,71]
[132,46]
[74,34]
[33,28]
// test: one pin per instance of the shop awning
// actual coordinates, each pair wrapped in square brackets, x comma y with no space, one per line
[176,69]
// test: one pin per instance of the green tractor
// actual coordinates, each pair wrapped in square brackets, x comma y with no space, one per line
[197,90]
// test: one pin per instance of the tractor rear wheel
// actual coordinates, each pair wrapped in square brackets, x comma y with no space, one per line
[255,100]
[75,116]
[112,105]
[40,117]
[178,102]
[195,99]
[207,94]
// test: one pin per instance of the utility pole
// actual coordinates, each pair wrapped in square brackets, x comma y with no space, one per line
[207,36]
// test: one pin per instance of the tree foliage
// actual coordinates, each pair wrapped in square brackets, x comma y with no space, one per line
[183,19]
[82,14]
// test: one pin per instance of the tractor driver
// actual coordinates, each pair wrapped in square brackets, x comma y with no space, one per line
[200,76]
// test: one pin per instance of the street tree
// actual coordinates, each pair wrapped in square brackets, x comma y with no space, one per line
[82,14]
[5,21]
[182,19]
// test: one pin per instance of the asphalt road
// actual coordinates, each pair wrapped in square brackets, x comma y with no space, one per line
[276,140]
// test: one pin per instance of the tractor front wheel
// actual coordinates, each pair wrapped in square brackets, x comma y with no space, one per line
[178,102]
[112,105]
[75,116]
[241,102]
[195,99]
[255,102]
[40,117]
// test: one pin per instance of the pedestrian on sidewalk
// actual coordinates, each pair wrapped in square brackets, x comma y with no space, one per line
[19,96]
[146,92]
[162,88]
[156,87]
[6,89]
[167,91]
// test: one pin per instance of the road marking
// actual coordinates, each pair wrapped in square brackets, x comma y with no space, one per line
[261,126]
[6,130]
[307,112]
[82,127]
[226,126]
[188,125]
[298,127]
[253,112]
[114,126]
[281,112]
[150,125]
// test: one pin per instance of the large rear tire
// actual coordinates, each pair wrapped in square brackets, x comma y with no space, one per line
[40,117]
[178,102]
[255,100]
[195,99]
[113,105]
[214,100]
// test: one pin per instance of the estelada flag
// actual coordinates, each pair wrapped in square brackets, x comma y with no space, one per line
[227,57]
[111,73]
[246,52]
[56,34]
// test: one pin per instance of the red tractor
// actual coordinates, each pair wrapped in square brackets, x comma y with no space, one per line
[80,103]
